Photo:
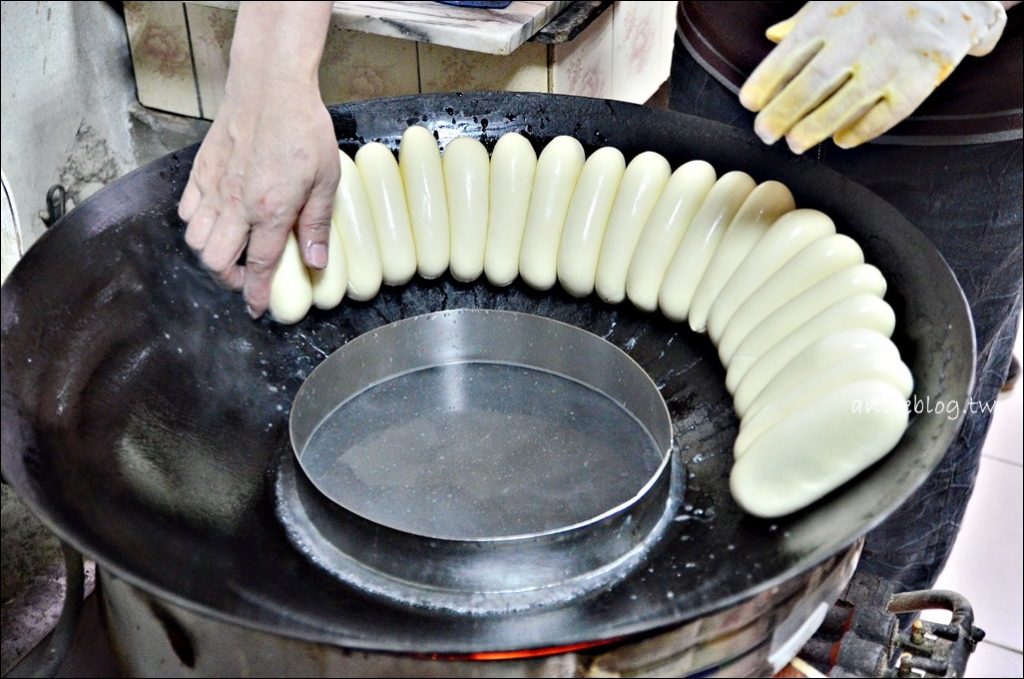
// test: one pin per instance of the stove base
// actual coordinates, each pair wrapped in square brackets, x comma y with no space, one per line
[153,637]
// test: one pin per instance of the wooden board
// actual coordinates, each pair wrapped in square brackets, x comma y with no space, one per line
[491,31]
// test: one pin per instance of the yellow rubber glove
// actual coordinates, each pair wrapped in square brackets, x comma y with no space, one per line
[852,70]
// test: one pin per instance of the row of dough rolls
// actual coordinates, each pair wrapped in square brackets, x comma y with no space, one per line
[796,314]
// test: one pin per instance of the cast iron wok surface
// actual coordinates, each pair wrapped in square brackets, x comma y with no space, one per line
[145,415]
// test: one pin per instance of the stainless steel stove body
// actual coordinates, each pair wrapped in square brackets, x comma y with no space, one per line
[152,636]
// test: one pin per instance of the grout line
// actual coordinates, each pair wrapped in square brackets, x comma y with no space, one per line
[1006,462]
[192,58]
[1004,647]
[419,72]
[990,456]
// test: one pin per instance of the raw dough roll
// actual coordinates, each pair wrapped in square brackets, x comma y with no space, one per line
[817,357]
[386,196]
[699,243]
[814,263]
[513,165]
[587,219]
[765,204]
[558,168]
[860,311]
[291,294]
[800,310]
[329,283]
[882,366]
[786,237]
[467,176]
[420,165]
[354,222]
[671,217]
[642,184]
[815,450]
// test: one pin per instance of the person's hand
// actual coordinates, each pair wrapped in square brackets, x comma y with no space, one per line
[270,160]
[852,70]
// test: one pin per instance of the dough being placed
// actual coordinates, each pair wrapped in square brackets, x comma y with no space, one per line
[587,219]
[467,175]
[354,222]
[291,294]
[764,362]
[671,217]
[790,234]
[386,196]
[814,263]
[815,358]
[815,450]
[881,366]
[420,164]
[558,169]
[699,243]
[765,204]
[641,186]
[513,165]
[329,283]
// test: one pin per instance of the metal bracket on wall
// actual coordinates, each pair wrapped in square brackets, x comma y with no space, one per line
[56,205]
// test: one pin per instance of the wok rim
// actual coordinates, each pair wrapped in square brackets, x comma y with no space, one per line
[50,516]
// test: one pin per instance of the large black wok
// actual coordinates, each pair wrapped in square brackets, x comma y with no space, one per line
[145,415]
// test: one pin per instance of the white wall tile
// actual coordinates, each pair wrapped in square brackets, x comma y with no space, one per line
[446,69]
[358,66]
[161,56]
[584,66]
[642,52]
[211,29]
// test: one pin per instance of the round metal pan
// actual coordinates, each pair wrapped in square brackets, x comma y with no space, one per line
[478,460]
[145,415]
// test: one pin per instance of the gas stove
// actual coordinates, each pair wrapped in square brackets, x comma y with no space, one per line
[789,632]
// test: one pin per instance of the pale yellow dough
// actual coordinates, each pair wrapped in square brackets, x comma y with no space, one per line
[291,294]
[354,222]
[558,169]
[809,362]
[467,176]
[814,263]
[587,219]
[797,317]
[764,362]
[816,449]
[787,236]
[699,243]
[882,366]
[386,197]
[671,217]
[641,186]
[329,283]
[513,165]
[765,204]
[420,164]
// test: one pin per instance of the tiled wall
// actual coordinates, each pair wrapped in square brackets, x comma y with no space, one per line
[180,54]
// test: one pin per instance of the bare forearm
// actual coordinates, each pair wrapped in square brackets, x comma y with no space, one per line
[278,41]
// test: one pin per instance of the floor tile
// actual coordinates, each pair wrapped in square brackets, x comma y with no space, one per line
[990,660]
[1005,437]
[986,565]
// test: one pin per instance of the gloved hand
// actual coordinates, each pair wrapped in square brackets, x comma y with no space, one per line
[852,70]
